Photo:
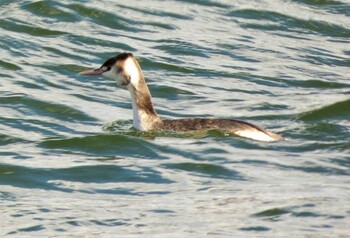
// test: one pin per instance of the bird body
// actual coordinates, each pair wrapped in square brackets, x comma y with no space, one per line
[126,71]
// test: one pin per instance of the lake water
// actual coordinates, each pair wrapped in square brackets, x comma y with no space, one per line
[71,166]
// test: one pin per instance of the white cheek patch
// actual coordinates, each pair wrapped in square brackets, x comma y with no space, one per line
[131,69]
[112,74]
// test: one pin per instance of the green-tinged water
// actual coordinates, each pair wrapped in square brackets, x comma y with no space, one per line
[72,166]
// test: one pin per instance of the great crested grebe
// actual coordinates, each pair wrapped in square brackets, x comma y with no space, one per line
[126,71]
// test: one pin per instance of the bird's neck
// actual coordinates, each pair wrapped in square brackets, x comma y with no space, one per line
[144,115]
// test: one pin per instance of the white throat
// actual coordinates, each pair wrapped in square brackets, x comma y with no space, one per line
[139,116]
[132,69]
[144,115]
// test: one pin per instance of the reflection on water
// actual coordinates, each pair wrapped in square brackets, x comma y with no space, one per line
[71,165]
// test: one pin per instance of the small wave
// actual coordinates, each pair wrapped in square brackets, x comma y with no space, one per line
[103,145]
[9,66]
[53,178]
[339,110]
[207,170]
[275,21]
[158,13]
[49,9]
[44,108]
[6,139]
[26,28]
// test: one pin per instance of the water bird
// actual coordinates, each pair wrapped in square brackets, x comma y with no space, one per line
[126,71]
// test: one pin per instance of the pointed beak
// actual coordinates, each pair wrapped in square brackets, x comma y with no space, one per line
[92,72]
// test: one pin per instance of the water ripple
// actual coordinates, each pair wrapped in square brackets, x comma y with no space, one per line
[332,111]
[71,165]
[275,21]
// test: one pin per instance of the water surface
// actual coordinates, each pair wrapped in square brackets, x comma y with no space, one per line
[71,166]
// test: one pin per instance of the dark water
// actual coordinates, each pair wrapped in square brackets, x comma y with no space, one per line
[70,166]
